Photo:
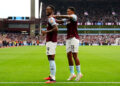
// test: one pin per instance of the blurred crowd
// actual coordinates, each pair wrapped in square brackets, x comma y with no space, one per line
[103,13]
[17,39]
[92,39]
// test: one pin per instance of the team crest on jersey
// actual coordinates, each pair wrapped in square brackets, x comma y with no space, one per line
[51,21]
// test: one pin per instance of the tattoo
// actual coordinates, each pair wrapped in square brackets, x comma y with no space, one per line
[55,28]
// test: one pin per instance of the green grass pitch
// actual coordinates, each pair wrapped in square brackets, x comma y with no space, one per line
[30,64]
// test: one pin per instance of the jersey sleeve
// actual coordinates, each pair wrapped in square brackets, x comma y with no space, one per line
[74,17]
[64,20]
[52,21]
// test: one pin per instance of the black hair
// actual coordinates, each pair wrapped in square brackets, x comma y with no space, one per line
[72,8]
[52,7]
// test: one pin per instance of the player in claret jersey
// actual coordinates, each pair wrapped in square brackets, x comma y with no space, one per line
[51,42]
[72,42]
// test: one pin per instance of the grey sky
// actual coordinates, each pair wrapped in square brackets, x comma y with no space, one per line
[16,8]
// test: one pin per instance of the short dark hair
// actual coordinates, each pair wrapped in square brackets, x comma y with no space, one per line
[52,7]
[72,8]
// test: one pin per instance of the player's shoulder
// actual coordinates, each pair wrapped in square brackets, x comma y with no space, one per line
[74,15]
[51,19]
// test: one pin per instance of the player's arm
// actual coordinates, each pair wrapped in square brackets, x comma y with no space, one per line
[55,28]
[53,24]
[63,16]
[73,17]
[60,21]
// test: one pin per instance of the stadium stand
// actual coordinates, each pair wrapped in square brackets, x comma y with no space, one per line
[91,12]
[17,39]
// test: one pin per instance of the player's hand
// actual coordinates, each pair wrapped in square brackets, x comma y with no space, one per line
[44,32]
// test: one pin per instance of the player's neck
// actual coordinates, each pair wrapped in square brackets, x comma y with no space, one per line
[50,15]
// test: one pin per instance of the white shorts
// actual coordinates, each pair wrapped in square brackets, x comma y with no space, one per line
[51,48]
[72,45]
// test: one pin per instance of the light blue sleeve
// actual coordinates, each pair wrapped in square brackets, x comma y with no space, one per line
[52,21]
[74,17]
[64,20]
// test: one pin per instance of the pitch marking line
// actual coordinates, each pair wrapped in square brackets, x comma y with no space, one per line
[60,82]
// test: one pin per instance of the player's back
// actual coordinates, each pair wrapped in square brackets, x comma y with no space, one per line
[72,27]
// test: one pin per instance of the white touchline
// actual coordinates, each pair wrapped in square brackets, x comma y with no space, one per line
[60,82]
